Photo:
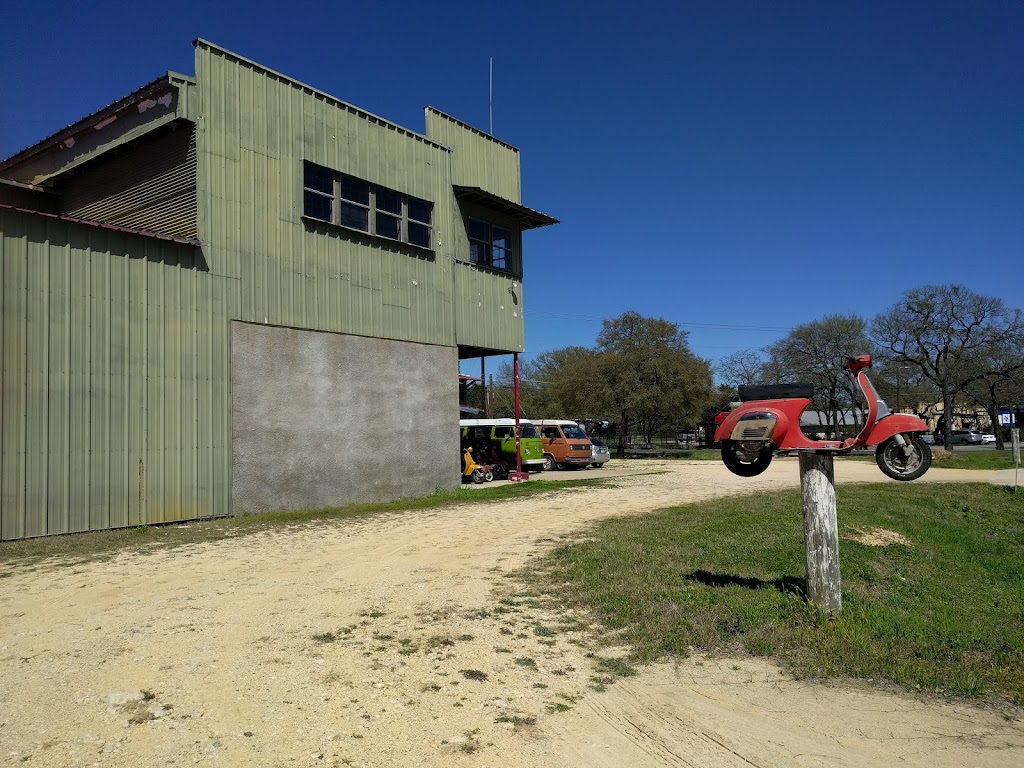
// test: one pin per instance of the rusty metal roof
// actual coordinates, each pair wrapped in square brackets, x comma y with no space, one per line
[114,106]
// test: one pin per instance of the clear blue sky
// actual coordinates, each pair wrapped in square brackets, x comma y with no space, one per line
[737,167]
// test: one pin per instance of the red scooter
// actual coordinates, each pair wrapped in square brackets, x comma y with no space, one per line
[768,422]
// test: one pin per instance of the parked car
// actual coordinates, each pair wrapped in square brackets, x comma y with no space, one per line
[564,444]
[987,438]
[967,437]
[600,452]
[929,438]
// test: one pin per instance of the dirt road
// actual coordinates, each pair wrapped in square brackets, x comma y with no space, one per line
[386,642]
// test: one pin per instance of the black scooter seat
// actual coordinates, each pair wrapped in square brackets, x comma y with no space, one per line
[750,392]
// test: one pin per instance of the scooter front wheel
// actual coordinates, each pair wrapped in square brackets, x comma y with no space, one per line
[897,464]
[742,463]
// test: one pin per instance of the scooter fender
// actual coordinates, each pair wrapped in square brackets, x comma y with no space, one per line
[894,424]
[762,423]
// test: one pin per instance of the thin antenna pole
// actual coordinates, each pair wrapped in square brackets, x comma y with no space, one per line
[490,95]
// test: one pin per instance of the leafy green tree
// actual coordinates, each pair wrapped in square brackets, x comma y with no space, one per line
[651,376]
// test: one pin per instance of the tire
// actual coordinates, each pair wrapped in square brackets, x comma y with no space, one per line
[549,463]
[895,464]
[488,475]
[739,464]
[478,476]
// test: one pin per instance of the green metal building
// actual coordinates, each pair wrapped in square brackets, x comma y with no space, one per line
[233,292]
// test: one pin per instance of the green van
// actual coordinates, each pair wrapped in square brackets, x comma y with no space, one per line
[502,433]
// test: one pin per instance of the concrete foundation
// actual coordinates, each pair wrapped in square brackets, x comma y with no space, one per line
[326,419]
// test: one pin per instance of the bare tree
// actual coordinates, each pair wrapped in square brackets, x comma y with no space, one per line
[816,353]
[946,333]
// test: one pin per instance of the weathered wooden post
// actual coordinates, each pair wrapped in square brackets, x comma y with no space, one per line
[821,530]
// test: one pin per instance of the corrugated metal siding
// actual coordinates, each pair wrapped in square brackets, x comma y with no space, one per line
[115,380]
[489,310]
[151,186]
[256,129]
[478,160]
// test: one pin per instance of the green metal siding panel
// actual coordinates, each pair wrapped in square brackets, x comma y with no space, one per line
[116,380]
[256,129]
[478,160]
[488,309]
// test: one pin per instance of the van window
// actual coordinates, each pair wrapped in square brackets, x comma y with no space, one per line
[527,430]
[503,432]
[573,432]
[551,432]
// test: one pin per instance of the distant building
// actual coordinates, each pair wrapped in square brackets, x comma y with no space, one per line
[233,292]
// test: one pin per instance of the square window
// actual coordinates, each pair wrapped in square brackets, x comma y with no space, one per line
[319,178]
[420,210]
[389,201]
[419,235]
[479,230]
[501,238]
[479,253]
[355,216]
[355,191]
[316,206]
[388,226]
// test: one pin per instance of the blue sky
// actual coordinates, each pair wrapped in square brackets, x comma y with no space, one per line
[737,167]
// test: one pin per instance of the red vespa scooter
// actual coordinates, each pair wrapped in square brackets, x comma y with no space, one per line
[768,422]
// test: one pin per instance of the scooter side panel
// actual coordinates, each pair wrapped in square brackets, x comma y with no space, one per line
[893,424]
[785,412]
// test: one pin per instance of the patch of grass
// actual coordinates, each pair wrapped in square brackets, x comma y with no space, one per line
[474,674]
[465,638]
[525,661]
[501,649]
[325,637]
[516,720]
[945,613]
[541,631]
[557,706]
[972,459]
[99,545]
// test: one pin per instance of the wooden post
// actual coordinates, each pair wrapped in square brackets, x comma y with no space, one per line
[821,530]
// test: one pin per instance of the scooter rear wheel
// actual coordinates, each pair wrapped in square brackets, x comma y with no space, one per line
[894,463]
[737,461]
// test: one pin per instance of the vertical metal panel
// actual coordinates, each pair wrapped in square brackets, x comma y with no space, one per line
[115,380]
[478,160]
[257,129]
[487,312]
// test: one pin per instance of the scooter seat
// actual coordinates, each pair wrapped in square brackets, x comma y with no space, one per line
[750,392]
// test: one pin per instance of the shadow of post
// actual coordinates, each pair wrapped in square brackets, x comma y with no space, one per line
[787,585]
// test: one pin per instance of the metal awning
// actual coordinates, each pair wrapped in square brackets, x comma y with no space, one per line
[527,218]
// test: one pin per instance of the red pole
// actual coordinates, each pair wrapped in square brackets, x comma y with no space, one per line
[519,475]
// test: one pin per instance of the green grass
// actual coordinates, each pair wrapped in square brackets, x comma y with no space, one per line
[945,614]
[972,459]
[80,547]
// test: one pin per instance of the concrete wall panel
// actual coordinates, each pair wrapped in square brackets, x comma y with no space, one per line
[326,419]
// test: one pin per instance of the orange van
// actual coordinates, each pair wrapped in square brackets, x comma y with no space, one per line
[564,443]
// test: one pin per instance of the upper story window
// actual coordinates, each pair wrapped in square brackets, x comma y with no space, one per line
[490,245]
[356,204]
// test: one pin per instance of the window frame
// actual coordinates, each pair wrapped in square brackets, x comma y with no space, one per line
[370,208]
[488,246]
